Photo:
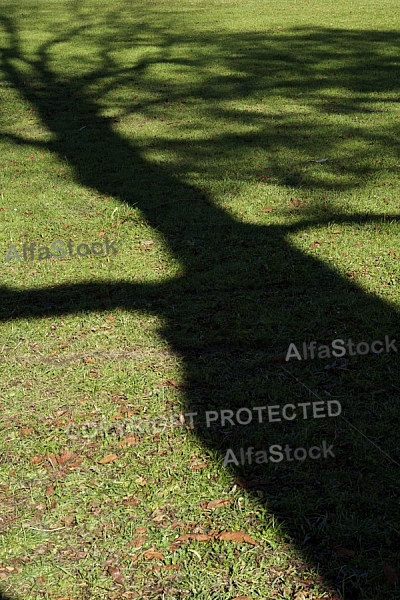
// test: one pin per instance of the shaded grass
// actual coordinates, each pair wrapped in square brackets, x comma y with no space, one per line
[196,151]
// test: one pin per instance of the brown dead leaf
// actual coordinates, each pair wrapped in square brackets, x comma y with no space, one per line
[221,503]
[26,430]
[36,460]
[337,231]
[344,552]
[182,526]
[89,361]
[314,244]
[10,569]
[295,202]
[198,466]
[280,358]
[129,440]
[68,520]
[116,574]
[166,567]
[248,484]
[267,209]
[49,490]
[241,598]
[173,383]
[110,319]
[160,518]
[140,530]
[153,555]
[138,541]
[109,458]
[390,574]
[236,536]
[129,501]
[65,457]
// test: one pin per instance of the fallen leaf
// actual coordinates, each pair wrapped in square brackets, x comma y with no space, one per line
[172,383]
[66,456]
[198,466]
[280,358]
[313,244]
[26,430]
[140,530]
[166,567]
[138,541]
[295,202]
[49,490]
[267,209]
[160,518]
[130,440]
[218,503]
[247,484]
[344,552]
[236,536]
[68,520]
[241,598]
[390,574]
[110,319]
[116,574]
[109,458]
[179,525]
[131,502]
[153,555]
[53,460]
[36,460]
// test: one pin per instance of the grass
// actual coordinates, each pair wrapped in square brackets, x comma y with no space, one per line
[244,159]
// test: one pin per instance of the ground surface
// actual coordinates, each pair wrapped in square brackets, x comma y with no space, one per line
[233,169]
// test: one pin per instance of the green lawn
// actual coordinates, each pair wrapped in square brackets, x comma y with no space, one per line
[186,189]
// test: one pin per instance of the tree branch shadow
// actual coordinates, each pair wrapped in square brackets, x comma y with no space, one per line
[247,292]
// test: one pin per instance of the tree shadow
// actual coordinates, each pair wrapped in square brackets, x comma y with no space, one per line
[3,596]
[247,292]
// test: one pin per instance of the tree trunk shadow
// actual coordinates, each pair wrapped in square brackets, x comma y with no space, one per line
[246,295]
